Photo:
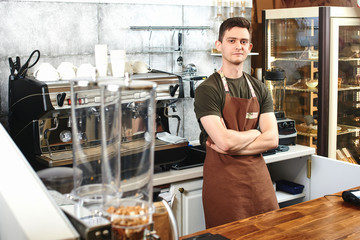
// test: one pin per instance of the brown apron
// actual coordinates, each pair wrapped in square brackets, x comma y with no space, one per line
[236,187]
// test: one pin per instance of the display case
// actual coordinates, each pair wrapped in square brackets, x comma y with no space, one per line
[319,50]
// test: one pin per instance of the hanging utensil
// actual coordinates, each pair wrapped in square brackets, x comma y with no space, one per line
[23,70]
[14,66]
[179,41]
[12,69]
[180,58]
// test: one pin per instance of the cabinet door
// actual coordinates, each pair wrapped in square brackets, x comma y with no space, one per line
[188,206]
[329,176]
[292,45]
[344,90]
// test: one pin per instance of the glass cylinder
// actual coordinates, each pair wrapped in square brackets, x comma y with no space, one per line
[219,19]
[232,13]
[242,8]
[275,80]
[86,141]
[128,130]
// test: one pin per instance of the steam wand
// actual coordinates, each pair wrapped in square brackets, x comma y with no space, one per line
[173,116]
[51,129]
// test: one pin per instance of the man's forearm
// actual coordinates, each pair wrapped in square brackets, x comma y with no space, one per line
[239,140]
[249,142]
[234,141]
[264,142]
[255,144]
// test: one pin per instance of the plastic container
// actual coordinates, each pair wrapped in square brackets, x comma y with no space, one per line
[289,187]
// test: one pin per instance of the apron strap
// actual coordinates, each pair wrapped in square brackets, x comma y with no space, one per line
[223,79]
[250,86]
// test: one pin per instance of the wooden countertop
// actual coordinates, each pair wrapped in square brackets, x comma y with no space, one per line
[328,217]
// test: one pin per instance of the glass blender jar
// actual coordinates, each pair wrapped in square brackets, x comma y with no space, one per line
[275,80]
[86,136]
[128,130]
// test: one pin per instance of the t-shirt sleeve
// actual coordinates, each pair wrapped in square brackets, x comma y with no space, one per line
[207,101]
[267,101]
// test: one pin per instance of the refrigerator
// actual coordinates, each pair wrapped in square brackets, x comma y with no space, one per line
[318,48]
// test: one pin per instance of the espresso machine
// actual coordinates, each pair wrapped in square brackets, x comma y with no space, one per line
[40,119]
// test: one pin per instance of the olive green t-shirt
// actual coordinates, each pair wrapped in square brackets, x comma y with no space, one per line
[210,97]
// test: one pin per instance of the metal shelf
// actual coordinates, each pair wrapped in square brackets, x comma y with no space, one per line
[315,90]
[295,59]
[348,59]
[169,27]
[219,54]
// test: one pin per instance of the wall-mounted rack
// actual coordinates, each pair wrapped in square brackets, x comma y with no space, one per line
[219,54]
[170,49]
[169,27]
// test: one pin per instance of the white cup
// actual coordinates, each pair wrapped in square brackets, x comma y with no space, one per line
[46,72]
[117,58]
[66,70]
[258,73]
[86,70]
[140,67]
[129,68]
[101,59]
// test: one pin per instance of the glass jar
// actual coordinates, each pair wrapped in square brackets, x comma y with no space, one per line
[86,142]
[128,135]
[219,19]
[275,80]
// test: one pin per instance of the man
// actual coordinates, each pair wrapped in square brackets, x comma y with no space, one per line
[235,113]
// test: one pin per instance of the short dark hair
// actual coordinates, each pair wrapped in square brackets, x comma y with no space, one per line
[234,22]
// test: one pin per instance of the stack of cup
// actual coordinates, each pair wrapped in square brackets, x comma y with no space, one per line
[117,58]
[101,59]
[258,74]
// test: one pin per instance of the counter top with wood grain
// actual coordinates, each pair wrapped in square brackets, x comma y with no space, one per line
[328,217]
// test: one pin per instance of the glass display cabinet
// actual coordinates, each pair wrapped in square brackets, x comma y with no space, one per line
[319,50]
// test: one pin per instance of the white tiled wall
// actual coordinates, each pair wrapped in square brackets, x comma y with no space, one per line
[68,31]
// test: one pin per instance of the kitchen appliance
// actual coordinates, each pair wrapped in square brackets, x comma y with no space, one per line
[87,224]
[352,196]
[115,95]
[287,131]
[40,119]
[275,80]
[117,178]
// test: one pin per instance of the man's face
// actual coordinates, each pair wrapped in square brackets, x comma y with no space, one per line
[235,45]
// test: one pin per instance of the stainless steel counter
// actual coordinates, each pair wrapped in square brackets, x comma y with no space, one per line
[197,172]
